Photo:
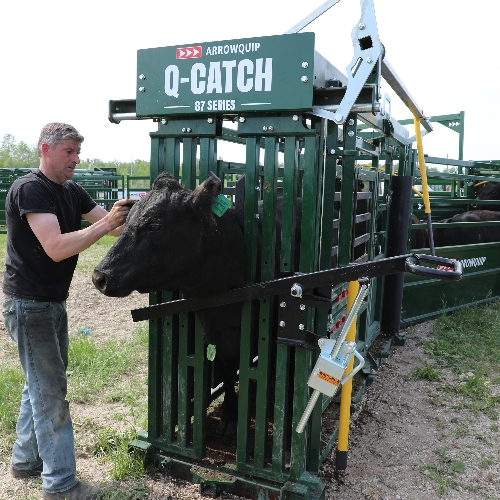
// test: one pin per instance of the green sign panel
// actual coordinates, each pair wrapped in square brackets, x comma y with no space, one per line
[272,73]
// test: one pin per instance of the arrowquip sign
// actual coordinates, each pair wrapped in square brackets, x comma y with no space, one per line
[232,76]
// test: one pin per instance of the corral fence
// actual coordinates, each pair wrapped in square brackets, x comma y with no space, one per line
[104,186]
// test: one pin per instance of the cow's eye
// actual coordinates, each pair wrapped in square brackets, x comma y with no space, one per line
[154,228]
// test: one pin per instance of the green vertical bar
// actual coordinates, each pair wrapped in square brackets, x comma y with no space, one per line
[266,319]
[252,170]
[251,202]
[184,414]
[168,373]
[346,197]
[154,163]
[189,162]
[280,407]
[282,372]
[308,262]
[154,387]
[172,156]
[461,136]
[201,392]
[290,185]
[208,158]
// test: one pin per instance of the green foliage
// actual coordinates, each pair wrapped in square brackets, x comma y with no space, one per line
[425,372]
[15,154]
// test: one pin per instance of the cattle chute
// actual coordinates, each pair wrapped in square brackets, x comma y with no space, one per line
[298,120]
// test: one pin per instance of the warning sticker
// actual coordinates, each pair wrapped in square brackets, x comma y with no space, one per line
[328,378]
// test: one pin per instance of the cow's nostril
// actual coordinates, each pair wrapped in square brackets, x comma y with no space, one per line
[99,280]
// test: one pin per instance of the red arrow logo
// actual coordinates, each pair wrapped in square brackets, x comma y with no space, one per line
[189,52]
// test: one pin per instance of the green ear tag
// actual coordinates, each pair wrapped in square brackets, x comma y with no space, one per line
[220,205]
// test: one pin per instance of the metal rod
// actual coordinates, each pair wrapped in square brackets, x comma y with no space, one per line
[357,108]
[353,312]
[124,116]
[307,412]
[397,85]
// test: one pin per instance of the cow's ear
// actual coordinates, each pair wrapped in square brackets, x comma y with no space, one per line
[206,191]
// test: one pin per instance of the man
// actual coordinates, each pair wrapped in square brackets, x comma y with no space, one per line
[43,211]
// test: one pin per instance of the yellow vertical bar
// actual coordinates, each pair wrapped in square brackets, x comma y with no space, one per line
[421,164]
[346,391]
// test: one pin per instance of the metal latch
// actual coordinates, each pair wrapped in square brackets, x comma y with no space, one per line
[336,354]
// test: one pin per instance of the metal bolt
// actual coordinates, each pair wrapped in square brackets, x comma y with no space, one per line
[283,304]
[264,128]
[295,118]
[257,188]
[210,120]
[257,216]
[332,151]
[183,130]
[164,121]
[242,119]
[271,128]
[142,89]
[296,290]
[301,326]
[350,122]
[338,117]
[380,96]
[304,79]
[361,26]
[282,324]
[321,342]
[350,133]
[305,65]
[142,76]
[369,60]
[188,130]
[302,307]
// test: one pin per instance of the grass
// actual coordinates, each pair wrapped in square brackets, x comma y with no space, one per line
[465,344]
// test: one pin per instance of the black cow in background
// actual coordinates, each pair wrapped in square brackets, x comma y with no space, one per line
[488,191]
[452,236]
[468,235]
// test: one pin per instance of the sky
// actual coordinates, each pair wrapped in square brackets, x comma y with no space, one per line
[64,61]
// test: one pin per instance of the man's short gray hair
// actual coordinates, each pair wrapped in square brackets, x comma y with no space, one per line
[53,133]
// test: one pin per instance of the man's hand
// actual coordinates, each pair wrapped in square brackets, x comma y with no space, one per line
[119,212]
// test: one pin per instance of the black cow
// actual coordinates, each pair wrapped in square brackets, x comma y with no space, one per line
[173,240]
[468,235]
[488,191]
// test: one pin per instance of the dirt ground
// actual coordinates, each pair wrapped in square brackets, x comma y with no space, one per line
[405,442]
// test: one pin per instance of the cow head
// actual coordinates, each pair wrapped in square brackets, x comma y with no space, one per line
[169,242]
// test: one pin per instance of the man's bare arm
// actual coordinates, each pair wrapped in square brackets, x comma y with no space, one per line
[60,246]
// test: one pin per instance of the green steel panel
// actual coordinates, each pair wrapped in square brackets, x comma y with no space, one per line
[424,298]
[290,186]
[272,73]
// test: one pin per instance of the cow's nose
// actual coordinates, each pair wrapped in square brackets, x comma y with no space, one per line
[99,280]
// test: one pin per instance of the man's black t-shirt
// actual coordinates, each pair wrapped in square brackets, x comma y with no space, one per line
[30,272]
